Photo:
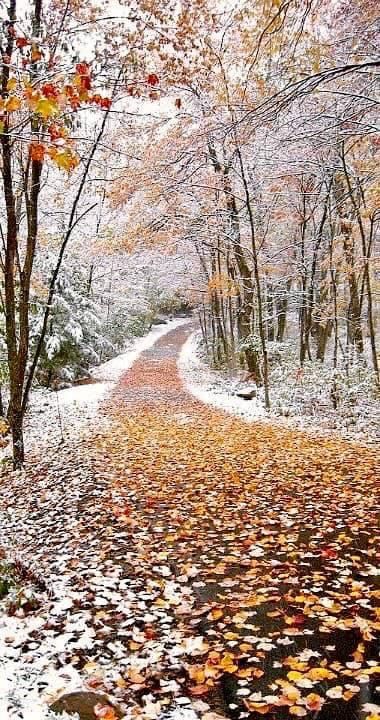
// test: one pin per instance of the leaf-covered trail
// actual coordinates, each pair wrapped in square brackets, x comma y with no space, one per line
[255,543]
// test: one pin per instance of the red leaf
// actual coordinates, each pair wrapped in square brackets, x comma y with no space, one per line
[82,68]
[85,82]
[150,633]
[22,42]
[55,132]
[152,79]
[106,103]
[329,553]
[49,90]
[298,619]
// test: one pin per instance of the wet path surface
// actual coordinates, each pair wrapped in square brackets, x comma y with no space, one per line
[236,561]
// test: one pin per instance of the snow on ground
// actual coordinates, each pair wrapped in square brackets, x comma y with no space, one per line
[33,669]
[301,404]
[208,387]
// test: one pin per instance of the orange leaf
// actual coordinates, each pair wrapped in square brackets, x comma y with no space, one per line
[258,707]
[215,614]
[199,689]
[36,53]
[314,702]
[37,151]
[12,104]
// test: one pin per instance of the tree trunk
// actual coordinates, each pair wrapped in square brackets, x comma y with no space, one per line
[17,422]
[245,315]
[270,312]
[256,273]
[324,334]
[354,324]
[281,311]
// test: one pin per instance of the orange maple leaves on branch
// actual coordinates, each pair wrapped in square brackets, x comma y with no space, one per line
[47,104]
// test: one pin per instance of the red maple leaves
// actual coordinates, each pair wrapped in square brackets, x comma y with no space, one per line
[153,79]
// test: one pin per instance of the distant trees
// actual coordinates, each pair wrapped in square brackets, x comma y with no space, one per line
[270,170]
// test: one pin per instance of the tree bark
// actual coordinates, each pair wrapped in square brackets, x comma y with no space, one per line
[281,311]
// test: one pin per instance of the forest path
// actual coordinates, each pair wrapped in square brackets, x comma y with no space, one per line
[234,560]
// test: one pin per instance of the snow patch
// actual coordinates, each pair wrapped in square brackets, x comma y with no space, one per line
[204,384]
[84,394]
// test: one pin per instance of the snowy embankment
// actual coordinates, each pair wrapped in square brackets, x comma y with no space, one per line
[57,416]
[208,387]
[297,404]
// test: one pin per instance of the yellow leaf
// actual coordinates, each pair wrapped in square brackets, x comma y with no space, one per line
[197,674]
[292,693]
[4,427]
[297,711]
[46,107]
[372,670]
[66,159]
[134,645]
[11,84]
[245,647]
[320,673]
[135,677]
[293,676]
[13,103]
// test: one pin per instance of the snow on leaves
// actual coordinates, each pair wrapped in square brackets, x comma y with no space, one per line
[210,565]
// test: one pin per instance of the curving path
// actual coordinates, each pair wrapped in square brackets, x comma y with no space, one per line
[228,564]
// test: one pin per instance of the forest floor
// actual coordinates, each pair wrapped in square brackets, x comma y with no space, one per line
[193,563]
